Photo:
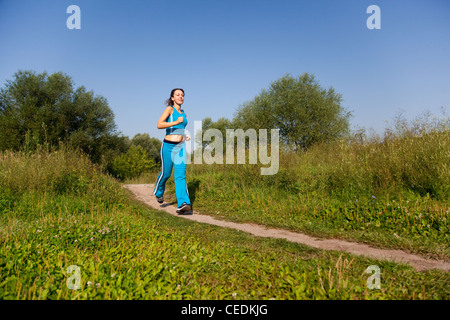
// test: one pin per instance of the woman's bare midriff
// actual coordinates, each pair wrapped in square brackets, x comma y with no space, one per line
[174,137]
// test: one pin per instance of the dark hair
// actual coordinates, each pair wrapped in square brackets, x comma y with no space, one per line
[169,101]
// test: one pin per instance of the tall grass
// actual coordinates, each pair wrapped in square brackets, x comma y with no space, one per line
[390,190]
[55,172]
[57,210]
[417,165]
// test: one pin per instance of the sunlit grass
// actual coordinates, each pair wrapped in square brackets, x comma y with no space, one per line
[390,191]
[58,210]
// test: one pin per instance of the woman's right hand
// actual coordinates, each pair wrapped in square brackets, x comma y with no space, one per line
[179,120]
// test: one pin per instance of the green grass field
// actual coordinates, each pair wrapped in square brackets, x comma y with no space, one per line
[393,193]
[58,210]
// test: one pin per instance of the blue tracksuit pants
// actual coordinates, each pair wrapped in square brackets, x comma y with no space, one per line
[173,155]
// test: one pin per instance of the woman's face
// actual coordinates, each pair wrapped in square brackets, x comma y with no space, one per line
[178,97]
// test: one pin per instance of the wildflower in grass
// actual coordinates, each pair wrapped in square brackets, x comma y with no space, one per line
[89,283]
[98,285]
[113,275]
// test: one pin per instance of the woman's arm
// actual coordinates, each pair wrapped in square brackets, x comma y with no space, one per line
[162,124]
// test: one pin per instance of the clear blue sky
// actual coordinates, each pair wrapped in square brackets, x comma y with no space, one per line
[223,53]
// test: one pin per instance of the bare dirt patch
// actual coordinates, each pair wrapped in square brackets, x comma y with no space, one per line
[144,193]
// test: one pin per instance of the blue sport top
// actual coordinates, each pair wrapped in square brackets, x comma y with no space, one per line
[179,128]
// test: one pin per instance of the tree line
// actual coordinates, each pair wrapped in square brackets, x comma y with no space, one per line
[42,108]
[47,109]
[303,111]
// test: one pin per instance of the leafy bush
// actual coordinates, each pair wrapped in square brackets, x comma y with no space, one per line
[131,164]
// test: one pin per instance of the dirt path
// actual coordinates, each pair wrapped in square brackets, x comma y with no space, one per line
[143,192]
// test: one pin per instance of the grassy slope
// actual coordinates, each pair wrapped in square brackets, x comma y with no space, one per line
[57,210]
[392,193]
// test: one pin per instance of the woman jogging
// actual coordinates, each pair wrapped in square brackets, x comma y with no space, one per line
[173,151]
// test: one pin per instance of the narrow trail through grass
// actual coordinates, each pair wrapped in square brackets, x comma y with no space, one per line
[143,192]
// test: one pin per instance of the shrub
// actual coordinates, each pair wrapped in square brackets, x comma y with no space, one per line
[131,164]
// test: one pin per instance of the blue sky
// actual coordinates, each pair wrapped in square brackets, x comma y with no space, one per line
[223,53]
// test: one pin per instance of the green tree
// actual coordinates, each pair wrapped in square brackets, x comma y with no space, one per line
[304,112]
[42,108]
[131,164]
[152,146]
[221,124]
